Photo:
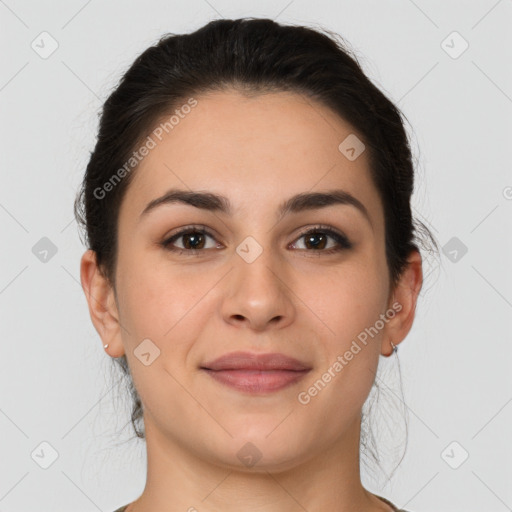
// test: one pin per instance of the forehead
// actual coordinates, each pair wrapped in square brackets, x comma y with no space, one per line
[260,149]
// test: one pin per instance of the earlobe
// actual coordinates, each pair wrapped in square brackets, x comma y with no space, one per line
[101,301]
[405,295]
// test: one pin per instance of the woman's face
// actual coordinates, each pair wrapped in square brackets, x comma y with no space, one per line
[255,283]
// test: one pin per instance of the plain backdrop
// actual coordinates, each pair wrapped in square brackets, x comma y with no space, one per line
[65,439]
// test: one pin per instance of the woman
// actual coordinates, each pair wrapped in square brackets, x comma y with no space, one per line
[251,255]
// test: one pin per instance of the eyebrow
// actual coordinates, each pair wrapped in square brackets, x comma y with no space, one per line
[295,204]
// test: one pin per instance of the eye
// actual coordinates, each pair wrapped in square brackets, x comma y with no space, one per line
[193,238]
[317,239]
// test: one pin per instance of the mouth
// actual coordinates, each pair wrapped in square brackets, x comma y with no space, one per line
[256,381]
[256,373]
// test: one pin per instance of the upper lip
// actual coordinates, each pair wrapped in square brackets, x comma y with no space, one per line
[251,361]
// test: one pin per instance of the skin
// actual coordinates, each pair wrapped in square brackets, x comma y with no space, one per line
[258,151]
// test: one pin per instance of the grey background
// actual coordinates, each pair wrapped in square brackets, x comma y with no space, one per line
[455,364]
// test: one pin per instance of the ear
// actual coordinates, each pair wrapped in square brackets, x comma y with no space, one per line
[102,305]
[404,297]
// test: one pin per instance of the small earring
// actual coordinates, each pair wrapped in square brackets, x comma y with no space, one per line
[105,346]
[394,347]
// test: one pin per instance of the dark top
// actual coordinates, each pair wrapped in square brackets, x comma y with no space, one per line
[122,509]
[390,504]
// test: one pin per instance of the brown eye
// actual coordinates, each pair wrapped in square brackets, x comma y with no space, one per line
[316,240]
[192,239]
[319,240]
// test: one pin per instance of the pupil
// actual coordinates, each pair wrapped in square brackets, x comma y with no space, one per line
[312,237]
[193,237]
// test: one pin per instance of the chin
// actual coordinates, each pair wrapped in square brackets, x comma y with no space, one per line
[266,450]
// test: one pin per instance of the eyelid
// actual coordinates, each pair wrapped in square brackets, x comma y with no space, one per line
[343,240]
[193,228]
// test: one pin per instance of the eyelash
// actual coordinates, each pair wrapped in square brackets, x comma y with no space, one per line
[343,242]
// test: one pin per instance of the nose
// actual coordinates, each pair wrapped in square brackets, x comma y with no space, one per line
[258,294]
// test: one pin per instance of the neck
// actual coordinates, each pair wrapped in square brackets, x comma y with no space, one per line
[178,479]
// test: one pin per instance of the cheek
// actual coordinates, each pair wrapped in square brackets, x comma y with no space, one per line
[349,304]
[160,304]
[347,300]
[164,308]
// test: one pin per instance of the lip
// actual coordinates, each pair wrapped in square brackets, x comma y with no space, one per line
[256,373]
[253,361]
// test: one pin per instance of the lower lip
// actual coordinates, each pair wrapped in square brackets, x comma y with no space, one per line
[256,381]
